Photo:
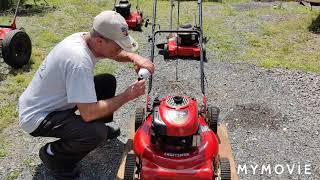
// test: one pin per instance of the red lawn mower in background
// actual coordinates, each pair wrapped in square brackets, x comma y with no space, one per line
[183,44]
[134,19]
[15,44]
[176,137]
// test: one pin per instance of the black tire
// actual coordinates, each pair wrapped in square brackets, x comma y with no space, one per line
[139,118]
[225,169]
[204,50]
[212,118]
[165,51]
[16,48]
[139,27]
[130,167]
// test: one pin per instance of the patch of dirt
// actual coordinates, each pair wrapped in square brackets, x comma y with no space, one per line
[254,115]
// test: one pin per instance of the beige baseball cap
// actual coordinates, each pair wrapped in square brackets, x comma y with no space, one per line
[112,25]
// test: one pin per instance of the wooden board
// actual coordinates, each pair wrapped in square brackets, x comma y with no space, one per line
[224,150]
[128,149]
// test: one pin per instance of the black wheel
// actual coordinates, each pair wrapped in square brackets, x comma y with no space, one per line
[204,50]
[139,26]
[225,170]
[165,51]
[212,118]
[130,167]
[16,48]
[139,118]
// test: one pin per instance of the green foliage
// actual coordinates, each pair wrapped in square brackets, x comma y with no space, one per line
[13,175]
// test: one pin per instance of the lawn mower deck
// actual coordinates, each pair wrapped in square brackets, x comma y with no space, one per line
[134,19]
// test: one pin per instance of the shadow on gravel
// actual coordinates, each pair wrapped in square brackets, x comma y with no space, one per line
[254,115]
[102,163]
[315,25]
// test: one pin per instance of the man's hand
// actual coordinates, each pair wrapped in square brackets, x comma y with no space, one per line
[103,108]
[135,90]
[138,61]
[141,62]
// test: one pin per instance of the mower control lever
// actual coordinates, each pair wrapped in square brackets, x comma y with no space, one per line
[143,74]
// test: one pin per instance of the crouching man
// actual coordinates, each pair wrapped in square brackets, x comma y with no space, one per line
[65,82]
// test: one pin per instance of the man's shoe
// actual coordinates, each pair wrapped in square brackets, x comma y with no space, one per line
[60,173]
[113,131]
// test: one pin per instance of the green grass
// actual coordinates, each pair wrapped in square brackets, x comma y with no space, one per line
[13,175]
[287,42]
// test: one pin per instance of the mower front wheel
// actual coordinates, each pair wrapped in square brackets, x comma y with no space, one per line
[212,118]
[139,118]
[16,48]
[225,170]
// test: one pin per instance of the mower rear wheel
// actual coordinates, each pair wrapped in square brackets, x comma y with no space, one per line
[139,27]
[204,50]
[225,169]
[130,167]
[139,118]
[212,118]
[16,48]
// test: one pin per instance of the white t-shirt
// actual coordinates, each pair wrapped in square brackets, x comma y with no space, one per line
[64,78]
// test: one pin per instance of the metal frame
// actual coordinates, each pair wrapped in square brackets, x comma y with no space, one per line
[200,38]
[13,23]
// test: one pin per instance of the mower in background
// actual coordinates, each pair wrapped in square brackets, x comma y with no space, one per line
[176,136]
[183,44]
[134,19]
[15,44]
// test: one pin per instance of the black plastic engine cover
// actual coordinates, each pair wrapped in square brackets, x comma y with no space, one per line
[187,39]
[158,126]
[123,8]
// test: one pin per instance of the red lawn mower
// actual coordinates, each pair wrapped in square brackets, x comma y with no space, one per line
[176,137]
[183,44]
[134,19]
[15,44]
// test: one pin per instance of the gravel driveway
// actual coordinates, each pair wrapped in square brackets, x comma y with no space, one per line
[272,118]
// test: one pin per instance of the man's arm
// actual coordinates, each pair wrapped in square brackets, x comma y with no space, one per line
[104,108]
[139,61]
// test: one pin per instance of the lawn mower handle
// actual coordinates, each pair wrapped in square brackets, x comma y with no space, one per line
[199,33]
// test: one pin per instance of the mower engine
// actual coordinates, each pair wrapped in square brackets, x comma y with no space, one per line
[187,39]
[123,8]
[133,19]
[175,112]
[175,142]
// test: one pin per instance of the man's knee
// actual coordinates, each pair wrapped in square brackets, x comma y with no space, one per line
[105,85]
[105,79]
